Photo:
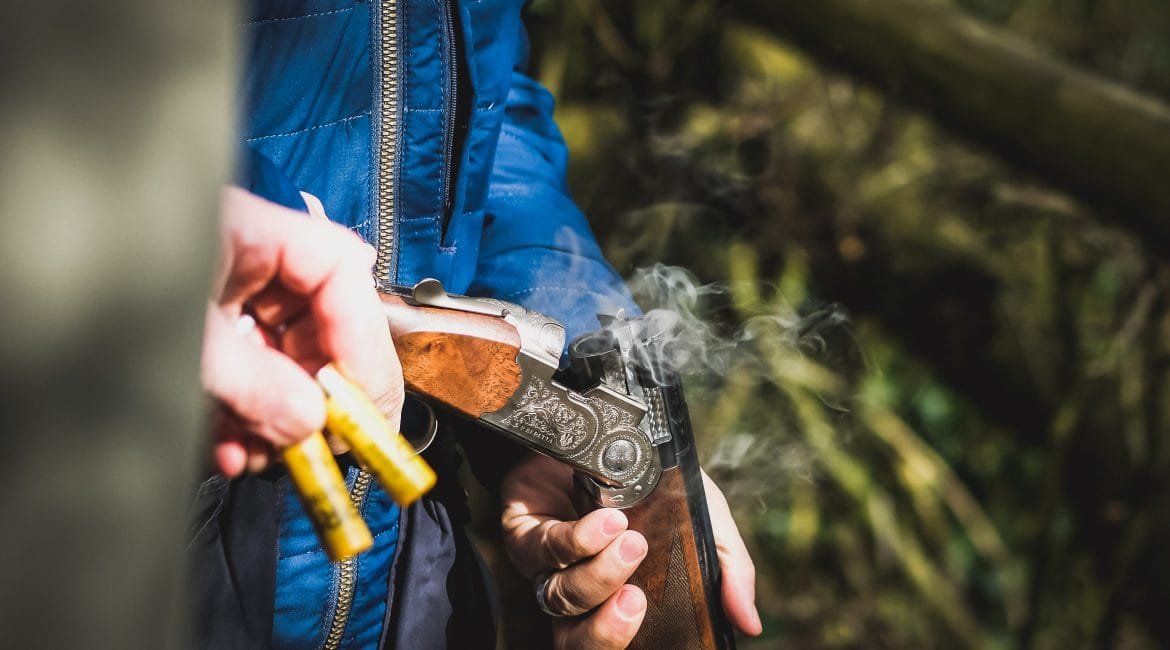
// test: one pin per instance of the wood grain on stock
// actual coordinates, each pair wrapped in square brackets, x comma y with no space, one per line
[466,361]
[676,607]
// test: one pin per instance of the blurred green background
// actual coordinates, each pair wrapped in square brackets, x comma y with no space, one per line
[979,457]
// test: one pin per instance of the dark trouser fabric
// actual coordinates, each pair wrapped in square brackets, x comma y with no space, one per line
[441,594]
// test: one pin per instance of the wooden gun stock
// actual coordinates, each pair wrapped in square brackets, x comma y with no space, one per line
[464,361]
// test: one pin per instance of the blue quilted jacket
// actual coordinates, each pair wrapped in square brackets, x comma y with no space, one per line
[414,123]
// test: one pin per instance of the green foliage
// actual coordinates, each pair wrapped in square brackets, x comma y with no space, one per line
[980,458]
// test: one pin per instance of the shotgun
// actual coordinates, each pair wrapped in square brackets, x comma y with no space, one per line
[615,413]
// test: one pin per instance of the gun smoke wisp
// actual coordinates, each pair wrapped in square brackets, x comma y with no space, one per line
[683,334]
[680,332]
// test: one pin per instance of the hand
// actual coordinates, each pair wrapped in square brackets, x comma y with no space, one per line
[591,557]
[294,294]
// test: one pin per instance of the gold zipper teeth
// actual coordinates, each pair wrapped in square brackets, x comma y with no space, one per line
[387,140]
[347,571]
[387,155]
[383,266]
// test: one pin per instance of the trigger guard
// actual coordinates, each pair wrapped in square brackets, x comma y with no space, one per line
[420,438]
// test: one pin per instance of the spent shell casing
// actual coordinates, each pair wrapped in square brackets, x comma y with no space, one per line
[325,498]
[384,452]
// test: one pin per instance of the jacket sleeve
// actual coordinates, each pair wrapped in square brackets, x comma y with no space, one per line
[537,248]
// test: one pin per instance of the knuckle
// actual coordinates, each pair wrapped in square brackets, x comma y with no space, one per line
[390,401]
[738,561]
[355,257]
[579,543]
[608,632]
[566,596]
[514,533]
[557,546]
[347,241]
[266,431]
[555,556]
[367,255]
[607,636]
[564,635]
[248,251]
[243,227]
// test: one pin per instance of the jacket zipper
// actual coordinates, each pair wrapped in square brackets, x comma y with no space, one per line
[384,271]
[387,141]
[347,571]
[452,114]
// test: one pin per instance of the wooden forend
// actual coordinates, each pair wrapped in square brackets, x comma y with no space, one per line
[676,600]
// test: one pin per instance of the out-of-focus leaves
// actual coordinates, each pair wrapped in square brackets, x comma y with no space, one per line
[979,457]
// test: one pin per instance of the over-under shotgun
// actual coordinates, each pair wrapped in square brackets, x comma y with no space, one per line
[615,413]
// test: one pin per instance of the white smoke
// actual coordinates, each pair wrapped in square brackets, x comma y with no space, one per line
[677,329]
[690,329]
[682,332]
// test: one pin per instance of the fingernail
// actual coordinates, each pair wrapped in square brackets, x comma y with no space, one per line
[633,548]
[244,325]
[629,604]
[614,523]
[756,619]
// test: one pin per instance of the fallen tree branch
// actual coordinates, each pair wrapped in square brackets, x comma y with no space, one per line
[1095,139]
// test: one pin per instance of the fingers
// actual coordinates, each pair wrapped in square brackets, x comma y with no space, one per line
[263,242]
[273,396]
[537,539]
[535,495]
[260,453]
[288,266]
[613,625]
[539,543]
[353,332]
[537,485]
[309,282]
[739,572]
[566,542]
[585,585]
[592,557]
[231,456]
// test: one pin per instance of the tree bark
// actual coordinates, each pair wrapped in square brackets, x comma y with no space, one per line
[1095,139]
[115,138]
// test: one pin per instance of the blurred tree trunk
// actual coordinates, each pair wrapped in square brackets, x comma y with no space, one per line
[114,139]
[1095,139]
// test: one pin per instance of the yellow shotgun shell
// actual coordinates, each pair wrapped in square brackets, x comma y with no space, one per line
[325,498]
[385,453]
